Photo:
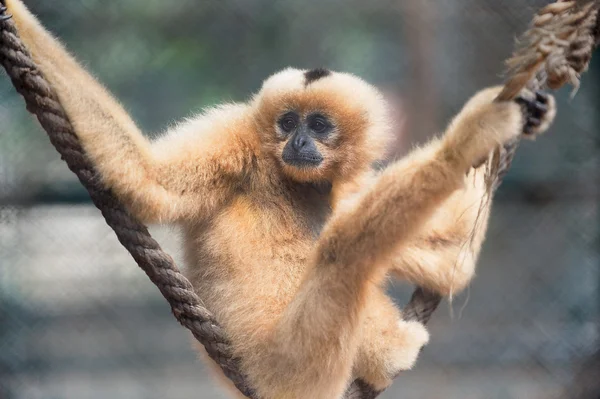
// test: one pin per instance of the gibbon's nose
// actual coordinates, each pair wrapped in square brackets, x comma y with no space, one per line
[299,142]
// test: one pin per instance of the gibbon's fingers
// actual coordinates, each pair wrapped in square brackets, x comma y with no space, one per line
[539,109]
[3,15]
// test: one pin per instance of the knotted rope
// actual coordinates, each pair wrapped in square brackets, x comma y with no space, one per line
[42,101]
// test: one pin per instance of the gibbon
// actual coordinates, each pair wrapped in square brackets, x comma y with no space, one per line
[288,232]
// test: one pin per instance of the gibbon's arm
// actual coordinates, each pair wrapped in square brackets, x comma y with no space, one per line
[443,255]
[315,342]
[154,181]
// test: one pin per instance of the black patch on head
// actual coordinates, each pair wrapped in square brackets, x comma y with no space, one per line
[315,74]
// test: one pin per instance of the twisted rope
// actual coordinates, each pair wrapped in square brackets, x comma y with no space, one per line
[42,101]
[556,50]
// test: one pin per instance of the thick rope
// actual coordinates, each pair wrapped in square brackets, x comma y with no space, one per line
[42,101]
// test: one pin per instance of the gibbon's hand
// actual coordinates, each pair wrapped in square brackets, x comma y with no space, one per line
[485,123]
[539,109]
[535,112]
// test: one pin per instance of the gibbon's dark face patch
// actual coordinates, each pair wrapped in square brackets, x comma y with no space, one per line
[302,135]
[315,74]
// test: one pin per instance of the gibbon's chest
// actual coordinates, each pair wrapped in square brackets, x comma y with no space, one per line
[275,225]
[267,236]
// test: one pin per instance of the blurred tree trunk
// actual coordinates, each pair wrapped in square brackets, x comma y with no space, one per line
[422,103]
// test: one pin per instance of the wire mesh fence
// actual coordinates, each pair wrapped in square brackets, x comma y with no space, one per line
[79,320]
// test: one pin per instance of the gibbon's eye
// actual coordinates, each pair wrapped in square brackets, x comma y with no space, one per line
[289,122]
[319,124]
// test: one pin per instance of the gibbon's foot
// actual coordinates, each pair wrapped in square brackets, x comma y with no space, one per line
[398,350]
[538,109]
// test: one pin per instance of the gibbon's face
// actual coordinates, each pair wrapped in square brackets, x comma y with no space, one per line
[321,125]
[302,133]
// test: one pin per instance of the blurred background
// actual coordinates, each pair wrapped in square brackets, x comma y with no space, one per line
[79,320]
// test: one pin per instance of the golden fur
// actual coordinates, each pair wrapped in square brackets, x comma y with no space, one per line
[294,273]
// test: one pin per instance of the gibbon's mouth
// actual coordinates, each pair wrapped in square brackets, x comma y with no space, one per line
[302,161]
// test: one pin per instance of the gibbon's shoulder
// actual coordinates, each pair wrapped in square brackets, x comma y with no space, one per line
[220,128]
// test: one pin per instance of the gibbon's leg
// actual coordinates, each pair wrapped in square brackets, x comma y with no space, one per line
[140,174]
[442,257]
[312,349]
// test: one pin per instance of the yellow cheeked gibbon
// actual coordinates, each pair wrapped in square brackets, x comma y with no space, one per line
[288,233]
